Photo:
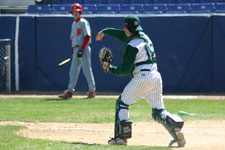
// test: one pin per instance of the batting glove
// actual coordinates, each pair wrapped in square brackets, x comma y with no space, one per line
[80,53]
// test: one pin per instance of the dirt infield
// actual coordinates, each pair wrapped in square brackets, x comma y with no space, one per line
[200,135]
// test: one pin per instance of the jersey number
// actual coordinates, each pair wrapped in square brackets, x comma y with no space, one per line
[150,51]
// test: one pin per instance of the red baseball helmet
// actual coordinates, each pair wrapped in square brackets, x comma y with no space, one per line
[76,7]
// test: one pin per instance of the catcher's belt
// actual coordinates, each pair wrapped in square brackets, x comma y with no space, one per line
[145,70]
[146,62]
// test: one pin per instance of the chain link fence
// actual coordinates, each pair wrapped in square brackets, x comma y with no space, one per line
[5,82]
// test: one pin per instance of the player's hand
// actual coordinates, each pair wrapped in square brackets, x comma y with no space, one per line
[99,36]
[80,53]
[106,66]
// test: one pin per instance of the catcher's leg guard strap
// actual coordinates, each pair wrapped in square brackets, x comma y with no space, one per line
[119,105]
[170,122]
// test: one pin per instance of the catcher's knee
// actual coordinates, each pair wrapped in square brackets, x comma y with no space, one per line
[120,105]
[156,115]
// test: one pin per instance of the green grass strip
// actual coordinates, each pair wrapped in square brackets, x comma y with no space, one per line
[100,110]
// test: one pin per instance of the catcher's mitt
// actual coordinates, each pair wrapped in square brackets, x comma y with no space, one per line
[106,58]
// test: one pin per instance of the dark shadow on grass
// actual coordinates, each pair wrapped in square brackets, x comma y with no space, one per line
[126,147]
[56,99]
[81,143]
[62,99]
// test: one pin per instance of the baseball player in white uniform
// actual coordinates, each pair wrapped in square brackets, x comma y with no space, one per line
[139,60]
[81,53]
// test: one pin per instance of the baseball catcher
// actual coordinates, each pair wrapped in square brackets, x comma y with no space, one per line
[139,61]
[106,58]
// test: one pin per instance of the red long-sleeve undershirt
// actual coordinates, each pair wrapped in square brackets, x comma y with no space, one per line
[86,40]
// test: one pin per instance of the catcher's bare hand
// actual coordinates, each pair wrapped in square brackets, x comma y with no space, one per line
[105,66]
[99,36]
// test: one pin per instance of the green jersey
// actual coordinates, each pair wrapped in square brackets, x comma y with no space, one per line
[130,51]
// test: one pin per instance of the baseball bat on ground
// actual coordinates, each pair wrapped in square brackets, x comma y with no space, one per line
[186,113]
[64,62]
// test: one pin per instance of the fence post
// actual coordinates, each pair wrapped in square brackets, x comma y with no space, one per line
[5,73]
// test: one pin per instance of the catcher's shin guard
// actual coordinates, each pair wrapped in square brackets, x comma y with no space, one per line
[123,128]
[172,123]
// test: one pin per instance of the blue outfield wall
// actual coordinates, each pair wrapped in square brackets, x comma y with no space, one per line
[218,52]
[190,51]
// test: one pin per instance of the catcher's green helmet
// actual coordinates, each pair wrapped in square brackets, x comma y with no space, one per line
[133,23]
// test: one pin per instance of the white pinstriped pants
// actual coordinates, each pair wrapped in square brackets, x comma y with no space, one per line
[144,84]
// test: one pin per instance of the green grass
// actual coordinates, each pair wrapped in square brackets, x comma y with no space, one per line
[100,110]
[84,110]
